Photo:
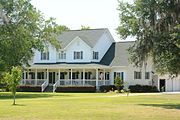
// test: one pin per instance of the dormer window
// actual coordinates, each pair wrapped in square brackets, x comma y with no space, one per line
[95,55]
[45,55]
[78,55]
[62,55]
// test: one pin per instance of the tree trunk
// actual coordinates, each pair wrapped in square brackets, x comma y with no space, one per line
[14,97]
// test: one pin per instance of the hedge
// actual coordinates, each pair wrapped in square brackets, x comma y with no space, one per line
[28,88]
[142,88]
[79,89]
[107,88]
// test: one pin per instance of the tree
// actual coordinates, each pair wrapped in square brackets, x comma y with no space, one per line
[118,83]
[85,27]
[156,26]
[12,79]
[24,29]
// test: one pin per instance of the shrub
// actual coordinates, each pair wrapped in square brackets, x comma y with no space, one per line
[106,88]
[142,88]
[80,89]
[28,88]
[118,83]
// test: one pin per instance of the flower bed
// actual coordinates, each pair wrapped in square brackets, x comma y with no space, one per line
[80,89]
[28,88]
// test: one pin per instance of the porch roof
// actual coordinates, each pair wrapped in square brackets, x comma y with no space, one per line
[67,66]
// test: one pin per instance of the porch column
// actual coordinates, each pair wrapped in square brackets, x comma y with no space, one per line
[83,77]
[97,77]
[59,76]
[71,76]
[36,77]
[47,75]
[27,74]
[104,77]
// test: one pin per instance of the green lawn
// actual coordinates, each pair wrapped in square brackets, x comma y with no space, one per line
[89,106]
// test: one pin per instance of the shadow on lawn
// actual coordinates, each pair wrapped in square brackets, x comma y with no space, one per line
[27,95]
[166,106]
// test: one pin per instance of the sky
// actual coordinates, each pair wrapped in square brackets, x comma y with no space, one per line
[75,13]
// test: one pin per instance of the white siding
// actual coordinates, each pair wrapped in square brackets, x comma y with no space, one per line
[102,46]
[129,74]
[52,55]
[78,45]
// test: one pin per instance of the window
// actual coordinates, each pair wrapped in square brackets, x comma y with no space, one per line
[147,75]
[78,55]
[120,74]
[32,75]
[95,55]
[62,55]
[137,75]
[45,55]
[40,75]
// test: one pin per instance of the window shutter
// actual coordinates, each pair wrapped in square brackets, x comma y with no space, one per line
[122,75]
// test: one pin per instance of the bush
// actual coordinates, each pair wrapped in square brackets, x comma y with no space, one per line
[79,89]
[28,88]
[142,88]
[107,88]
[118,83]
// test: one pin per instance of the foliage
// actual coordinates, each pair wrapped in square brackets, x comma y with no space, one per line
[118,83]
[76,89]
[107,88]
[29,88]
[142,88]
[12,80]
[156,26]
[85,27]
[24,29]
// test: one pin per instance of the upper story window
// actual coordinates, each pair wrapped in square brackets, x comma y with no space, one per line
[45,55]
[62,55]
[95,55]
[147,75]
[78,55]
[137,75]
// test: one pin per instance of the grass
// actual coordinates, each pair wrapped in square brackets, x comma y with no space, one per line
[89,106]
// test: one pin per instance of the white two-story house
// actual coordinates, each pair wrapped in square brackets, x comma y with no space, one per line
[88,57]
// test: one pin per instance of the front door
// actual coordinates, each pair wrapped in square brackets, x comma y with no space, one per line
[162,85]
[51,77]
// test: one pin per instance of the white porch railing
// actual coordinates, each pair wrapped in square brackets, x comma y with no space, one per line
[56,85]
[44,85]
[32,82]
[79,82]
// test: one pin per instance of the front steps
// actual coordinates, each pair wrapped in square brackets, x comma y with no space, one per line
[49,88]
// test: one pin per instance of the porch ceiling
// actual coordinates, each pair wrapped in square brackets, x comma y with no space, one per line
[68,66]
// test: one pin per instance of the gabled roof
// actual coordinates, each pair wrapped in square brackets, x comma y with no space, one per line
[90,36]
[117,55]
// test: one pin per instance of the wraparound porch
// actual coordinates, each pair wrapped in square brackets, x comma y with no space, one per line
[66,77]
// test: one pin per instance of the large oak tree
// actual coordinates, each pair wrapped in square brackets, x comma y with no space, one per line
[22,30]
[156,26]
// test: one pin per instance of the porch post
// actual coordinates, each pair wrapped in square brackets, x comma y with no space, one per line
[59,75]
[48,75]
[27,74]
[36,77]
[83,77]
[97,77]
[71,76]
[104,77]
